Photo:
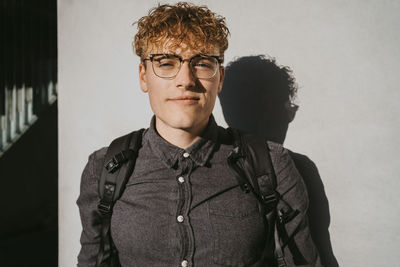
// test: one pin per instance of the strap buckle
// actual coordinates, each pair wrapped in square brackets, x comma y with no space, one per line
[106,203]
[270,201]
[285,217]
[104,208]
[272,198]
[118,159]
[112,165]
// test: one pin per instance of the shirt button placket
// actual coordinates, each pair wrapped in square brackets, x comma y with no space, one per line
[183,184]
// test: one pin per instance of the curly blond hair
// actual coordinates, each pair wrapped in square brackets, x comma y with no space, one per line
[172,25]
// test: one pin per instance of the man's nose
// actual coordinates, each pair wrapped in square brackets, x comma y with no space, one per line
[185,77]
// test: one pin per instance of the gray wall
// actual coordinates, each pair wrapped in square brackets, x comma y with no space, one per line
[345,58]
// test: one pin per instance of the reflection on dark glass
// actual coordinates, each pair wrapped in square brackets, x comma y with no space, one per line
[28,133]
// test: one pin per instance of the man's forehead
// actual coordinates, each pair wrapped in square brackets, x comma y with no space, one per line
[182,48]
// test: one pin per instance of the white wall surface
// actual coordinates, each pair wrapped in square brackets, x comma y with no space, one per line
[345,56]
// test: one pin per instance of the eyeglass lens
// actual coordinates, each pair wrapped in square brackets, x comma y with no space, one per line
[167,66]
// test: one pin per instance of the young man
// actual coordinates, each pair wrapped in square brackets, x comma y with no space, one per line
[182,206]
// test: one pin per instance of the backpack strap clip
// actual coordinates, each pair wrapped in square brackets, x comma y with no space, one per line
[106,202]
[118,160]
[285,217]
[104,208]
[270,201]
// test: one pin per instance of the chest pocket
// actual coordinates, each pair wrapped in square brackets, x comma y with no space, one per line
[237,227]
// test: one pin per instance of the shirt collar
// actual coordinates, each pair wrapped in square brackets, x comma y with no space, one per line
[199,152]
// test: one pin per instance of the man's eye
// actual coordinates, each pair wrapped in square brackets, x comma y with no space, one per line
[165,63]
[203,64]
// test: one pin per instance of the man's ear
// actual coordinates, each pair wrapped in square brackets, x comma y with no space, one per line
[221,78]
[142,77]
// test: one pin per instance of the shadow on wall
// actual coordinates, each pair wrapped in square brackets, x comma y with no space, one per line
[257,97]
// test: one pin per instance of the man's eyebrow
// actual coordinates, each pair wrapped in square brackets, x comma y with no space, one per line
[164,54]
[175,55]
[204,55]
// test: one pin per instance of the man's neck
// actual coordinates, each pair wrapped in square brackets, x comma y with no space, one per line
[182,138]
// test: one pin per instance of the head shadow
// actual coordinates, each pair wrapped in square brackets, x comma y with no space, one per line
[257,97]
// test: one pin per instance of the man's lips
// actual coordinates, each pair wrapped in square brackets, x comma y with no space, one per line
[185,100]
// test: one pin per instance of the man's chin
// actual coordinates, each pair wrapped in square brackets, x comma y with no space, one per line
[188,123]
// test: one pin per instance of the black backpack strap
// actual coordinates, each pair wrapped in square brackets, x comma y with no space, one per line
[235,158]
[250,159]
[265,181]
[253,154]
[119,163]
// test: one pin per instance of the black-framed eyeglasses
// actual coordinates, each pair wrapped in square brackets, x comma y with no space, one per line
[168,65]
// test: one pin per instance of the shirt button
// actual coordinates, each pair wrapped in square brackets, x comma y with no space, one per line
[184,263]
[179,218]
[181,179]
[185,155]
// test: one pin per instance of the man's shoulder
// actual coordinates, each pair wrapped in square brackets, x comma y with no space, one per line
[259,147]
[95,163]
[98,154]
[253,139]
[101,152]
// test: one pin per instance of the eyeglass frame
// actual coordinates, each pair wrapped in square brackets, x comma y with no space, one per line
[151,57]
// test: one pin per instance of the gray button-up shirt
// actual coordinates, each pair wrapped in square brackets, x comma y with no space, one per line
[181,207]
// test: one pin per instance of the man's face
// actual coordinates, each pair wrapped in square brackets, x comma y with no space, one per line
[182,102]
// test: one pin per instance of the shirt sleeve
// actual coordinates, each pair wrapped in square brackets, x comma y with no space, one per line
[87,203]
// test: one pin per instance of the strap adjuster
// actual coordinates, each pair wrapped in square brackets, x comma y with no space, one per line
[118,159]
[112,165]
[270,201]
[269,198]
[285,217]
[106,203]
[104,208]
